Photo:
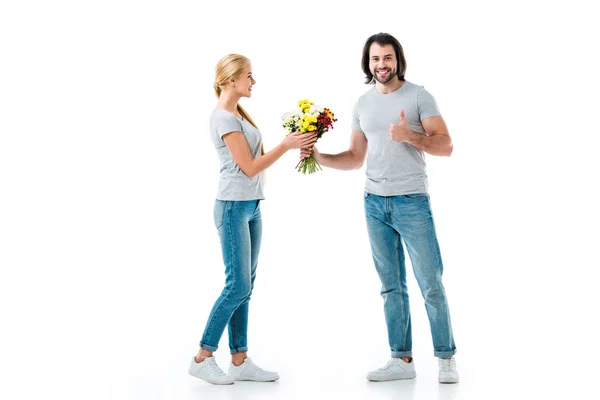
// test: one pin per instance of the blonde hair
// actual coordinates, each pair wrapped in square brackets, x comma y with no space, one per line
[231,67]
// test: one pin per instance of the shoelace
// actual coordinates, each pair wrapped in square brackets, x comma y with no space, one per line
[250,363]
[446,365]
[215,368]
[391,362]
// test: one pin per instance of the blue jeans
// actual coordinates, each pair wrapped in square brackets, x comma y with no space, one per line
[406,220]
[240,230]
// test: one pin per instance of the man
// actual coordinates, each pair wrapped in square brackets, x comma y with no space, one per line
[393,124]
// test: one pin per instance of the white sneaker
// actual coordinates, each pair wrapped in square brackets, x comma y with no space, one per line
[248,371]
[209,371]
[448,372]
[396,368]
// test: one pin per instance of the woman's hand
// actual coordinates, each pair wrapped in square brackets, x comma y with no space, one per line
[298,140]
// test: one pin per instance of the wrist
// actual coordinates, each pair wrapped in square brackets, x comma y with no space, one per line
[414,138]
[316,155]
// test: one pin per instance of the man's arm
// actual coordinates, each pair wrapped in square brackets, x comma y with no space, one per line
[436,142]
[353,158]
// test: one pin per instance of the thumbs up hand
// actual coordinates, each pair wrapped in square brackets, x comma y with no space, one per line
[400,132]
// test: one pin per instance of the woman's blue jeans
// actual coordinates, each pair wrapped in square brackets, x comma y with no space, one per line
[240,229]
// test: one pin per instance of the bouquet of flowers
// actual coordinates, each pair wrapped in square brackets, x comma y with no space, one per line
[308,117]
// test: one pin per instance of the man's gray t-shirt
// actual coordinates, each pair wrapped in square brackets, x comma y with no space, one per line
[393,168]
[233,183]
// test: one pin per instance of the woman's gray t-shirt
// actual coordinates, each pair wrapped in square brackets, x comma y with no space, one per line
[233,183]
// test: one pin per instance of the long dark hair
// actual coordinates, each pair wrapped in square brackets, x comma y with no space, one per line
[382,39]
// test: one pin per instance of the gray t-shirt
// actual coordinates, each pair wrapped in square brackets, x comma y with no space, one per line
[393,168]
[233,183]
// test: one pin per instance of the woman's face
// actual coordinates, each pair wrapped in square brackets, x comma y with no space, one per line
[243,85]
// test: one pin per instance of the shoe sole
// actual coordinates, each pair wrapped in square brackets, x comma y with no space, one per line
[448,379]
[255,380]
[409,376]
[218,383]
[211,381]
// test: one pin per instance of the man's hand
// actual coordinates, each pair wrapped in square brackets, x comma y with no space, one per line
[305,152]
[400,132]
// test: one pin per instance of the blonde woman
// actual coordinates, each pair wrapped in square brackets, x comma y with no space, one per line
[237,218]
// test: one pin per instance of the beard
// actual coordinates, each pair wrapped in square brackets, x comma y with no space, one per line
[390,76]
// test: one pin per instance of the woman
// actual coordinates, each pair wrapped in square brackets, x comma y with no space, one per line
[237,218]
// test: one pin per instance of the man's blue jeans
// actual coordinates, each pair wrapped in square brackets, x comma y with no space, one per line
[394,222]
[240,229]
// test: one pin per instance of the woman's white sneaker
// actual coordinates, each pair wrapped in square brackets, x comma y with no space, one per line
[248,371]
[209,371]
[396,368]
[448,372]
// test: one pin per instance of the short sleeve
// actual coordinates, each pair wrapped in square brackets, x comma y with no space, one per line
[226,123]
[427,105]
[355,119]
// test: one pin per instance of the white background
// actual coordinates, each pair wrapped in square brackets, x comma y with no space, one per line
[109,258]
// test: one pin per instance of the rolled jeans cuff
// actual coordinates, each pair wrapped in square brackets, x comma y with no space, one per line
[398,354]
[444,354]
[238,350]
[208,347]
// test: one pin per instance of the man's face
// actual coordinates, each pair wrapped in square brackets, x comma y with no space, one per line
[382,62]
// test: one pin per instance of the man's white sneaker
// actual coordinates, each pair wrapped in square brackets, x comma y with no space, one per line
[396,368]
[448,372]
[248,371]
[209,371]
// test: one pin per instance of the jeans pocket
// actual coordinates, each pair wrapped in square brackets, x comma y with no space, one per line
[219,213]
[416,196]
[367,195]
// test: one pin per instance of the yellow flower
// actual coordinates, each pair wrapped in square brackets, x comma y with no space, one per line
[311,128]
